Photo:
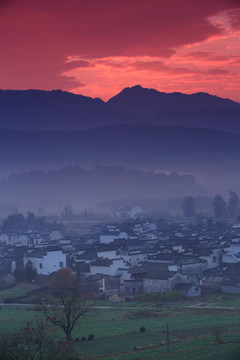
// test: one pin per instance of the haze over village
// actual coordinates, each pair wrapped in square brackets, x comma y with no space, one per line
[119,179]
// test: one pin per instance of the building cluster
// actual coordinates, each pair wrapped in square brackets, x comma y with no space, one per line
[133,257]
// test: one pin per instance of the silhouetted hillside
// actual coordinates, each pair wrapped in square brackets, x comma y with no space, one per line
[53,189]
[62,111]
[133,146]
[141,101]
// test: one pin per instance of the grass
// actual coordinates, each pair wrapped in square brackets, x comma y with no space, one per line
[17,291]
[117,335]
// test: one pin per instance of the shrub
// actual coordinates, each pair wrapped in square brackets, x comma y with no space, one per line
[142,329]
[83,338]
[90,337]
[171,295]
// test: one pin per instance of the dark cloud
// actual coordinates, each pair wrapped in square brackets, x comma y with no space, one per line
[40,35]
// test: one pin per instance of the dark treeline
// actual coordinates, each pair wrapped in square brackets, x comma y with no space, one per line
[221,208]
[19,222]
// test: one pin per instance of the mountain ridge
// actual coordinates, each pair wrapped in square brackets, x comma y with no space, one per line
[39,110]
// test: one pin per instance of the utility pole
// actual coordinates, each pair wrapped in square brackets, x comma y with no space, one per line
[167,338]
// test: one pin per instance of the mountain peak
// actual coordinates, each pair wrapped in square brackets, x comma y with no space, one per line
[143,101]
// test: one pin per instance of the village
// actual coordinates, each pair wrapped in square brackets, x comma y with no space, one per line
[129,257]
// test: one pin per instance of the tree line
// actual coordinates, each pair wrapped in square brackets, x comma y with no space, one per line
[19,222]
[221,208]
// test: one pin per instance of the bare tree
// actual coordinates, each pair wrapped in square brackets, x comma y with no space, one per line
[69,307]
[37,341]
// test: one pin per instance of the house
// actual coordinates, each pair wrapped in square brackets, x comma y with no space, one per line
[161,281]
[105,284]
[190,290]
[124,212]
[46,261]
[156,277]
[108,237]
[107,266]
[133,287]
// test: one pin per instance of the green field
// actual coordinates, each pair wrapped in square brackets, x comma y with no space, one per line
[192,331]
[20,290]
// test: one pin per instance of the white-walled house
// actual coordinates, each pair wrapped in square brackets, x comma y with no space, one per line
[4,238]
[107,266]
[133,258]
[46,262]
[107,253]
[55,235]
[126,212]
[109,237]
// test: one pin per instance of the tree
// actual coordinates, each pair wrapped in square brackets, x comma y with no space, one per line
[13,222]
[188,207]
[233,204]
[37,341]
[70,307]
[67,212]
[219,207]
[28,273]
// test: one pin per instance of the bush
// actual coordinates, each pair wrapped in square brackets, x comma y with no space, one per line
[172,295]
[90,337]
[83,338]
[142,329]
[76,339]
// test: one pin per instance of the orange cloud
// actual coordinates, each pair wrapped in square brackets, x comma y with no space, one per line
[98,47]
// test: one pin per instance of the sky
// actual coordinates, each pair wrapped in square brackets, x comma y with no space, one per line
[98,47]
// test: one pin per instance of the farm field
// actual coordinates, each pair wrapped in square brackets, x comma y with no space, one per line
[194,333]
[20,290]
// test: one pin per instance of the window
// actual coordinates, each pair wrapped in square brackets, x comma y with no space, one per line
[40,265]
[60,264]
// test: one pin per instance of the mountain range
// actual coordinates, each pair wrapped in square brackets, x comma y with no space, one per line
[58,110]
[51,141]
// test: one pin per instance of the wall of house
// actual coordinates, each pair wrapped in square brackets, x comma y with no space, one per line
[193,271]
[230,258]
[100,270]
[177,278]
[4,238]
[49,263]
[155,285]
[134,259]
[194,291]
[133,287]
[230,289]
[108,238]
[107,254]
[112,269]
[111,285]
[234,248]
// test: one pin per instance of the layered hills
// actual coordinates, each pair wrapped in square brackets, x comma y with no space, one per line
[58,110]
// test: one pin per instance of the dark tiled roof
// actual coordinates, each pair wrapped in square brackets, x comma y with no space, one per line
[102,262]
[88,255]
[163,275]
[37,254]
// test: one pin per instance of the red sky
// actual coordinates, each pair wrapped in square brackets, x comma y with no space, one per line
[98,47]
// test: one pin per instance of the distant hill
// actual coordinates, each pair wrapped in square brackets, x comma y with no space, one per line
[134,146]
[81,188]
[58,110]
